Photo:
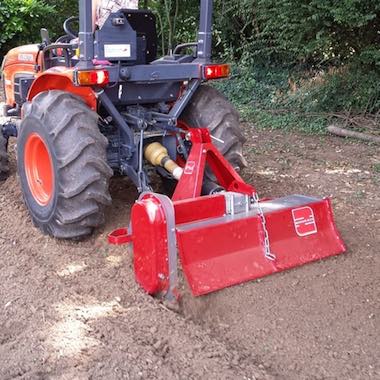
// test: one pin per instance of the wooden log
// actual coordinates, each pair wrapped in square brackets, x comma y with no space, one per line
[357,135]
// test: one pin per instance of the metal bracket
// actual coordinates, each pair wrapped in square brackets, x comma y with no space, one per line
[142,177]
[9,129]
[237,203]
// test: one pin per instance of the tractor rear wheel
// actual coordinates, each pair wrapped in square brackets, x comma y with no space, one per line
[4,168]
[62,165]
[209,108]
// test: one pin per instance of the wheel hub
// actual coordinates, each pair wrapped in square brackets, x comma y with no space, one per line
[39,169]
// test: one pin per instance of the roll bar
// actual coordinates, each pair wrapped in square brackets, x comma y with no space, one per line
[86,35]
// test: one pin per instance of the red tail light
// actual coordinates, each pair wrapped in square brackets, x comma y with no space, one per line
[93,78]
[216,71]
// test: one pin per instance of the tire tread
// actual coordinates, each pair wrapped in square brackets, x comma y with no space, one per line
[82,167]
[209,108]
[4,164]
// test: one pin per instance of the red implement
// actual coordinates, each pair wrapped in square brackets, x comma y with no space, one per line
[227,238]
[229,250]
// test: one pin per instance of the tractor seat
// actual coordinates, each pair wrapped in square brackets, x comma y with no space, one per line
[128,36]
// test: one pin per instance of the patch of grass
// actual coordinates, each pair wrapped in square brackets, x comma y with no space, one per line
[296,99]
[376,167]
[361,194]
[287,122]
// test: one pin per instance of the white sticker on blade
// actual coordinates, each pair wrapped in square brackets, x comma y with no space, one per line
[304,221]
[117,51]
[189,168]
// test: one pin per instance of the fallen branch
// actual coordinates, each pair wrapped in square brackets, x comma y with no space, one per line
[357,135]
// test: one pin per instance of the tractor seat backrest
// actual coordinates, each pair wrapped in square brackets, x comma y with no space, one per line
[129,36]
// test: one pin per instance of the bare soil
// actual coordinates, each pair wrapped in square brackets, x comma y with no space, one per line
[73,311]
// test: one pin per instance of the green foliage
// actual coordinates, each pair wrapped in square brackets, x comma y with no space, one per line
[62,10]
[300,31]
[308,32]
[20,20]
[177,21]
[354,89]
[296,61]
[280,97]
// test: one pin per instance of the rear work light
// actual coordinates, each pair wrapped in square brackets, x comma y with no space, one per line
[92,78]
[216,71]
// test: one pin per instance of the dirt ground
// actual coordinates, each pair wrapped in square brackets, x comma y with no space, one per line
[73,311]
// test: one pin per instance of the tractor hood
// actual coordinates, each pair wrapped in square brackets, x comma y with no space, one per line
[25,55]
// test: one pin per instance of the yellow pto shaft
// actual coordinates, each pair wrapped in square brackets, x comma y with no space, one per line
[158,155]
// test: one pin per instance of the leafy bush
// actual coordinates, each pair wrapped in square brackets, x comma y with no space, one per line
[300,31]
[351,88]
[310,57]
[296,61]
[287,98]
[21,20]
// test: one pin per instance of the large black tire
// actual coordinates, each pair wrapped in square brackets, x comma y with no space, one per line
[77,150]
[4,167]
[209,108]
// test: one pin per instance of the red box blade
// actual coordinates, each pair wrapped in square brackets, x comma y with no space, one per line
[227,251]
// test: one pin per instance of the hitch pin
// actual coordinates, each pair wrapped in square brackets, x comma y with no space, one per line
[216,139]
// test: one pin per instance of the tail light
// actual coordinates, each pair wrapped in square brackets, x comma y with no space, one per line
[92,78]
[216,71]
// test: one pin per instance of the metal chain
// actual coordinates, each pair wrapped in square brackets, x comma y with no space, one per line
[268,254]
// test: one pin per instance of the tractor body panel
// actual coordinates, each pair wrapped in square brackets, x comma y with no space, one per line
[18,64]
[61,78]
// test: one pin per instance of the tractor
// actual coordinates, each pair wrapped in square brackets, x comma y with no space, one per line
[99,103]
[91,113]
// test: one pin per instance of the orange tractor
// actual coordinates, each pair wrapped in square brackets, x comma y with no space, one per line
[96,103]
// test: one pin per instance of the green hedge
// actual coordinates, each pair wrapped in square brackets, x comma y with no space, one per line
[317,32]
[21,20]
[309,32]
[328,49]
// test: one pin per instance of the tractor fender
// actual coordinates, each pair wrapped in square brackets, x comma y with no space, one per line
[62,79]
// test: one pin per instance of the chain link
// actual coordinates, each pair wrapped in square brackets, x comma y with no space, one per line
[268,254]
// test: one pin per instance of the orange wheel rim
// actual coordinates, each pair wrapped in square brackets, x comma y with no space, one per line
[39,169]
